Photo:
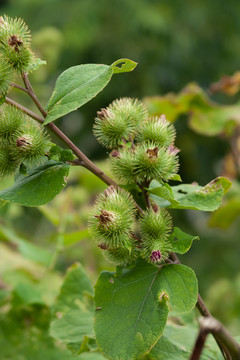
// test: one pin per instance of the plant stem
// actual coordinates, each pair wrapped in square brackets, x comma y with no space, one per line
[32,94]
[19,87]
[211,325]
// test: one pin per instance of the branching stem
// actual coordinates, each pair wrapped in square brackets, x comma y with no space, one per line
[211,325]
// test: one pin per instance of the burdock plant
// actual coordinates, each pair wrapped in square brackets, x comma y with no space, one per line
[129,222]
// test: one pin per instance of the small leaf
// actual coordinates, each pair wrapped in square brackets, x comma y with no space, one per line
[180,284]
[132,310]
[35,64]
[123,65]
[40,186]
[181,242]
[190,196]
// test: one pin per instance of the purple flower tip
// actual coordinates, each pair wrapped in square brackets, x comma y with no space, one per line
[173,150]
[155,256]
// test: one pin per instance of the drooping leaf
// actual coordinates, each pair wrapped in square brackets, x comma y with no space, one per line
[190,196]
[27,249]
[40,186]
[79,84]
[72,327]
[73,322]
[131,307]
[181,242]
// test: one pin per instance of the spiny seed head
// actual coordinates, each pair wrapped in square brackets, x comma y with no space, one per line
[112,219]
[118,122]
[155,227]
[15,43]
[17,28]
[8,163]
[6,77]
[158,130]
[122,256]
[156,224]
[31,144]
[122,165]
[11,122]
[152,162]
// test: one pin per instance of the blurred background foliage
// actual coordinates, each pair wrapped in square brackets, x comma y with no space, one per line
[181,50]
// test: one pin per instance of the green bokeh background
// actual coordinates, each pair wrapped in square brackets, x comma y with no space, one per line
[174,42]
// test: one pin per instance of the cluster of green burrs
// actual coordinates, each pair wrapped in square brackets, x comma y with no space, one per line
[142,149]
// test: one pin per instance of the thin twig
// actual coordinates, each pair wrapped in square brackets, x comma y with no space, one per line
[19,87]
[32,94]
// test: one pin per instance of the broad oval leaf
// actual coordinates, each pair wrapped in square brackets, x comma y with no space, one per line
[178,283]
[79,84]
[40,186]
[181,242]
[76,86]
[131,309]
[191,196]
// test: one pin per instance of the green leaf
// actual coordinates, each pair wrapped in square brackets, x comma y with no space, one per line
[75,87]
[72,327]
[72,238]
[131,309]
[28,340]
[74,311]
[75,290]
[126,65]
[35,64]
[79,84]
[177,343]
[181,242]
[226,214]
[26,294]
[91,356]
[190,196]
[27,249]
[40,186]
[206,117]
